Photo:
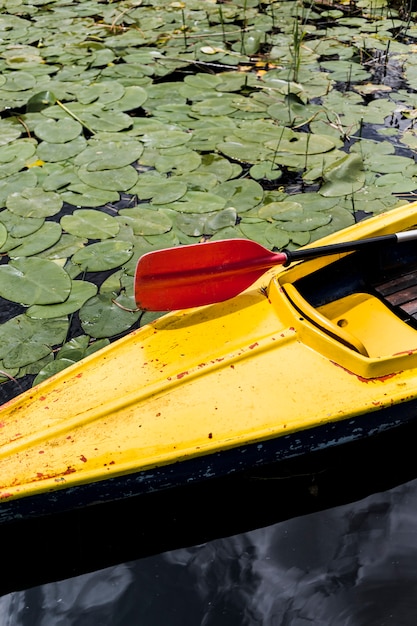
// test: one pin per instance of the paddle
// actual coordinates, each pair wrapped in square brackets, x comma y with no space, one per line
[204,273]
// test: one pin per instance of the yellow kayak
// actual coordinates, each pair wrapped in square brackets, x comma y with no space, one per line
[313,355]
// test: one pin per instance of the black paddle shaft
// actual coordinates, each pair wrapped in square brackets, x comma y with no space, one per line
[347,246]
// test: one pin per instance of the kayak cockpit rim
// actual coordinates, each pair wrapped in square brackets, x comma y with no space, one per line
[358,331]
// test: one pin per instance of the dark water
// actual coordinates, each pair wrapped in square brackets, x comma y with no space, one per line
[353,565]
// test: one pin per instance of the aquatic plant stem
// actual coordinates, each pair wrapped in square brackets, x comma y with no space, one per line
[75,117]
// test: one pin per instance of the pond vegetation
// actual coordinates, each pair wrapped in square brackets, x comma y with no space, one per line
[143,124]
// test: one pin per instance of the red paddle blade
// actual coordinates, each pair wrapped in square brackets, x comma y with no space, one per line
[199,274]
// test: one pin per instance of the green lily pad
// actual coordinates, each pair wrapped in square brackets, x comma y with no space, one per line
[198,202]
[104,255]
[91,224]
[34,203]
[162,191]
[344,177]
[166,138]
[243,194]
[3,233]
[64,248]
[18,226]
[286,210]
[51,368]
[146,221]
[276,236]
[25,353]
[108,155]
[302,143]
[121,179]
[183,163]
[21,336]
[397,183]
[55,152]
[34,281]
[58,131]
[81,291]
[84,195]
[105,316]
[256,232]
[45,237]
[309,221]
[16,182]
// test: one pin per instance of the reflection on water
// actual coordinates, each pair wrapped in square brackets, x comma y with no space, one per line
[354,565]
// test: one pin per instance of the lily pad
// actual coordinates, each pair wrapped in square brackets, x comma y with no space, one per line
[108,155]
[198,202]
[58,131]
[243,194]
[81,291]
[45,237]
[91,224]
[105,316]
[34,281]
[104,255]
[51,368]
[146,221]
[3,234]
[55,152]
[18,226]
[34,203]
[344,177]
[121,179]
[20,330]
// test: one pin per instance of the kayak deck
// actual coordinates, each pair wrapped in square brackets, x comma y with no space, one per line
[318,359]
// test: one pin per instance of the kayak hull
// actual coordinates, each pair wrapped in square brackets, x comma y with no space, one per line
[309,357]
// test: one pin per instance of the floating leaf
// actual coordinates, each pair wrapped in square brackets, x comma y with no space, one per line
[64,248]
[34,203]
[276,236]
[108,155]
[102,316]
[243,194]
[18,226]
[286,210]
[104,255]
[91,224]
[51,368]
[256,232]
[55,152]
[34,281]
[81,291]
[25,353]
[198,202]
[22,329]
[45,237]
[309,221]
[146,221]
[58,131]
[3,233]
[121,179]
[87,196]
[343,177]
[182,163]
